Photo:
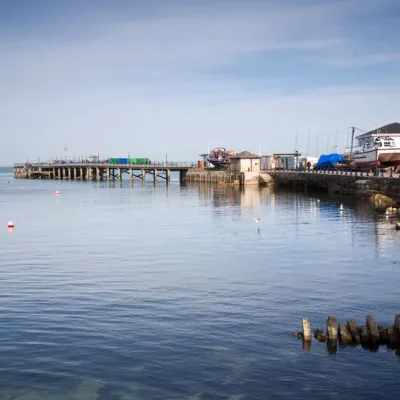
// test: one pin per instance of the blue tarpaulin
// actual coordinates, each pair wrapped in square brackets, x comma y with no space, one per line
[329,160]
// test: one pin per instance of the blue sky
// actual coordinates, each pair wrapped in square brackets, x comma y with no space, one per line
[159,77]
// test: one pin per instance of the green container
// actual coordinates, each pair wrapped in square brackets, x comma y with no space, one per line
[113,160]
[138,161]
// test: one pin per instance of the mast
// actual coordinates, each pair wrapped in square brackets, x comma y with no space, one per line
[352,139]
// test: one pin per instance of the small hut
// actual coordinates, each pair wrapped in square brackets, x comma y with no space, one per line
[245,162]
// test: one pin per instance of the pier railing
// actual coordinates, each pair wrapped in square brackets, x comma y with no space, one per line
[70,163]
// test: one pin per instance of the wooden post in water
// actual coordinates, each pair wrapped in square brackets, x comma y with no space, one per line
[131,174]
[352,327]
[397,324]
[373,329]
[155,176]
[331,328]
[119,174]
[143,175]
[168,175]
[344,333]
[306,330]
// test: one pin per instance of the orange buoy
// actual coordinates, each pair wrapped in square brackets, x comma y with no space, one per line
[57,192]
[11,224]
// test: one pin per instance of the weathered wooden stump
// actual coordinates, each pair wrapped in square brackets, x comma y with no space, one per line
[372,329]
[364,335]
[320,335]
[352,327]
[344,334]
[332,346]
[306,330]
[306,345]
[331,328]
[397,324]
[391,335]
[383,337]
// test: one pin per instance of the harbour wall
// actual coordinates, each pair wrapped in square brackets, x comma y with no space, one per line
[230,178]
[384,189]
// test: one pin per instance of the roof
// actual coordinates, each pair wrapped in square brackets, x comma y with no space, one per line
[389,129]
[245,154]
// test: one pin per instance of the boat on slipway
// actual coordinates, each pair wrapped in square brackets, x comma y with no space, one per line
[220,157]
[379,147]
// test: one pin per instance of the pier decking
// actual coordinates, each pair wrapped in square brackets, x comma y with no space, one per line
[101,171]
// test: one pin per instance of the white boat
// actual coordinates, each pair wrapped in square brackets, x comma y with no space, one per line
[379,147]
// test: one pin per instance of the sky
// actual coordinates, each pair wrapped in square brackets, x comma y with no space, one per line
[155,78]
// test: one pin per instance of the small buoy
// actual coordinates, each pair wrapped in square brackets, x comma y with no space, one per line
[11,224]
[57,192]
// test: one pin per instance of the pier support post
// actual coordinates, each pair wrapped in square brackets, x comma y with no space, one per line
[108,173]
[119,174]
[75,173]
[331,328]
[143,175]
[82,173]
[397,323]
[69,173]
[88,173]
[372,329]
[155,176]
[168,175]
[182,175]
[98,173]
[306,330]
[352,327]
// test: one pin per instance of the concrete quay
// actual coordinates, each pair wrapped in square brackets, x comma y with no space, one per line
[383,190]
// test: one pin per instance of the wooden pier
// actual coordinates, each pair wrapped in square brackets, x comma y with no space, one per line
[101,171]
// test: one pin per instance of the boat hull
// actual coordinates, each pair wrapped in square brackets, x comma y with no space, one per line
[368,159]
[217,163]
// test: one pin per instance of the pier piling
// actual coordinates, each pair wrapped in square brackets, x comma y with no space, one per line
[370,336]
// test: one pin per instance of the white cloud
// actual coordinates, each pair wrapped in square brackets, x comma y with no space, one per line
[144,85]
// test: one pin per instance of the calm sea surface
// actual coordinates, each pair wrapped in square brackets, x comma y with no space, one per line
[116,292]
